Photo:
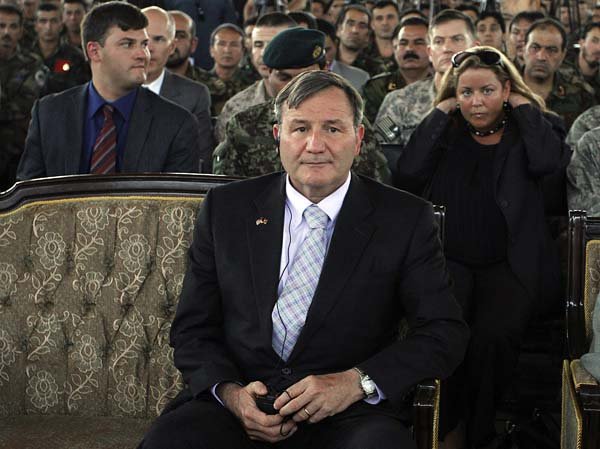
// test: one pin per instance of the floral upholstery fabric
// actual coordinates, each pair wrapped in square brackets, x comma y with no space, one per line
[88,289]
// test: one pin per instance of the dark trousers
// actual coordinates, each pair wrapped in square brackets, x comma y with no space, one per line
[206,424]
[498,309]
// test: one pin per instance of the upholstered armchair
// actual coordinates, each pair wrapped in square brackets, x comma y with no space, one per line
[580,391]
[91,270]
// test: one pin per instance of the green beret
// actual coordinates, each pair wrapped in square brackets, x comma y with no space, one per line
[295,48]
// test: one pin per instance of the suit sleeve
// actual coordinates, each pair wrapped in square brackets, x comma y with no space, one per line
[437,338]
[206,142]
[197,330]
[184,152]
[32,163]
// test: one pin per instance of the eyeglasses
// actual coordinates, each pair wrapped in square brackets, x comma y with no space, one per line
[486,56]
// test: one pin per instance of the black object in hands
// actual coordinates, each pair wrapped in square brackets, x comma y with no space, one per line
[265,403]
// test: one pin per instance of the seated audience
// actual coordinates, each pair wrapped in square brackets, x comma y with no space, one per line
[482,153]
[249,148]
[110,124]
[263,310]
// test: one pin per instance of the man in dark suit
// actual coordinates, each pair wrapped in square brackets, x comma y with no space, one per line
[110,124]
[296,285]
[191,95]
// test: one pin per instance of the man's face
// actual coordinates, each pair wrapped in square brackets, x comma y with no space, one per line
[72,16]
[516,39]
[354,30]
[330,50]
[29,8]
[490,33]
[543,53]
[248,38]
[564,16]
[384,21]
[123,60]
[228,49]
[48,25]
[446,39]
[261,36]
[335,9]
[411,47]
[10,33]
[279,78]
[318,142]
[596,14]
[184,43]
[317,10]
[160,44]
[590,48]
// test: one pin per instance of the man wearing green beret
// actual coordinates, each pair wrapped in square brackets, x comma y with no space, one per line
[249,148]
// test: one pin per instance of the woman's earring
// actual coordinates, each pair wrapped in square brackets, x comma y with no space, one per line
[458,106]
[506,106]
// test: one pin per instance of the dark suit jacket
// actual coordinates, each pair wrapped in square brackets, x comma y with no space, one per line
[384,263]
[162,136]
[195,98]
[531,150]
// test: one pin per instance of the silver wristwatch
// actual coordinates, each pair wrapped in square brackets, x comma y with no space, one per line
[366,384]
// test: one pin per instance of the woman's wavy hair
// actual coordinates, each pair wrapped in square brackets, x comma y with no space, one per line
[505,71]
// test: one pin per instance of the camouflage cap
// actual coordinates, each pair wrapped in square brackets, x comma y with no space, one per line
[295,48]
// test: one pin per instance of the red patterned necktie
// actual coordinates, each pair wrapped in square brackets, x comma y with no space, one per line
[104,154]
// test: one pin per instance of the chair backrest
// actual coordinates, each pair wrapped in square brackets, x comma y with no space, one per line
[583,280]
[90,273]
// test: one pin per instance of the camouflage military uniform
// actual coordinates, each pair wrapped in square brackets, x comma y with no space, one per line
[29,34]
[406,107]
[570,96]
[249,147]
[255,94]
[375,90]
[221,91]
[68,68]
[21,77]
[583,174]
[587,121]
[373,63]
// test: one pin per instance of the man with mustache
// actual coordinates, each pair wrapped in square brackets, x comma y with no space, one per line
[545,51]
[111,124]
[410,51]
[22,76]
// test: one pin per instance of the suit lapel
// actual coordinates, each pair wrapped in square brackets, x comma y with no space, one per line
[139,128]
[350,238]
[264,241]
[169,90]
[75,114]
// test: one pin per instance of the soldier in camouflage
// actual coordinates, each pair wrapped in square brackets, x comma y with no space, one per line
[583,174]
[410,50]
[587,121]
[72,15]
[225,79]
[265,30]
[66,64]
[402,110]
[381,50]
[22,76]
[353,32]
[249,148]
[545,50]
[28,36]
[185,44]
[588,59]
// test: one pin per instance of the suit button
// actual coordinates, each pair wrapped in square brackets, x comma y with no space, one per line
[504,204]
[286,371]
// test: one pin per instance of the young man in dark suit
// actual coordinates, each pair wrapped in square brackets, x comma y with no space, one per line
[296,285]
[110,124]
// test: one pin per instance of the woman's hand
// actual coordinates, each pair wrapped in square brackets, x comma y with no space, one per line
[517,100]
[447,105]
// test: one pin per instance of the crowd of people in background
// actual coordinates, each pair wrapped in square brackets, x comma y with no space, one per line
[445,89]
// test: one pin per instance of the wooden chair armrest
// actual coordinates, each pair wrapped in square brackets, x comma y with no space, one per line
[426,403]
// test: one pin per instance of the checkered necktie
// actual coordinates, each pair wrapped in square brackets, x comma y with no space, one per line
[104,154]
[289,313]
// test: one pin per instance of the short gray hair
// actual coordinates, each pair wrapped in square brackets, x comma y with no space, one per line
[310,83]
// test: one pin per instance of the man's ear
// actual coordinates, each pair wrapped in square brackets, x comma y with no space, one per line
[276,131]
[92,50]
[194,45]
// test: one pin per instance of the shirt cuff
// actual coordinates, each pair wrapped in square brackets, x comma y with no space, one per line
[213,390]
[377,398]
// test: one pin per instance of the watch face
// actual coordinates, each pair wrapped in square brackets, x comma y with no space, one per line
[368,386]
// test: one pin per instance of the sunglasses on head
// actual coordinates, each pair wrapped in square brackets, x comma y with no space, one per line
[486,56]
